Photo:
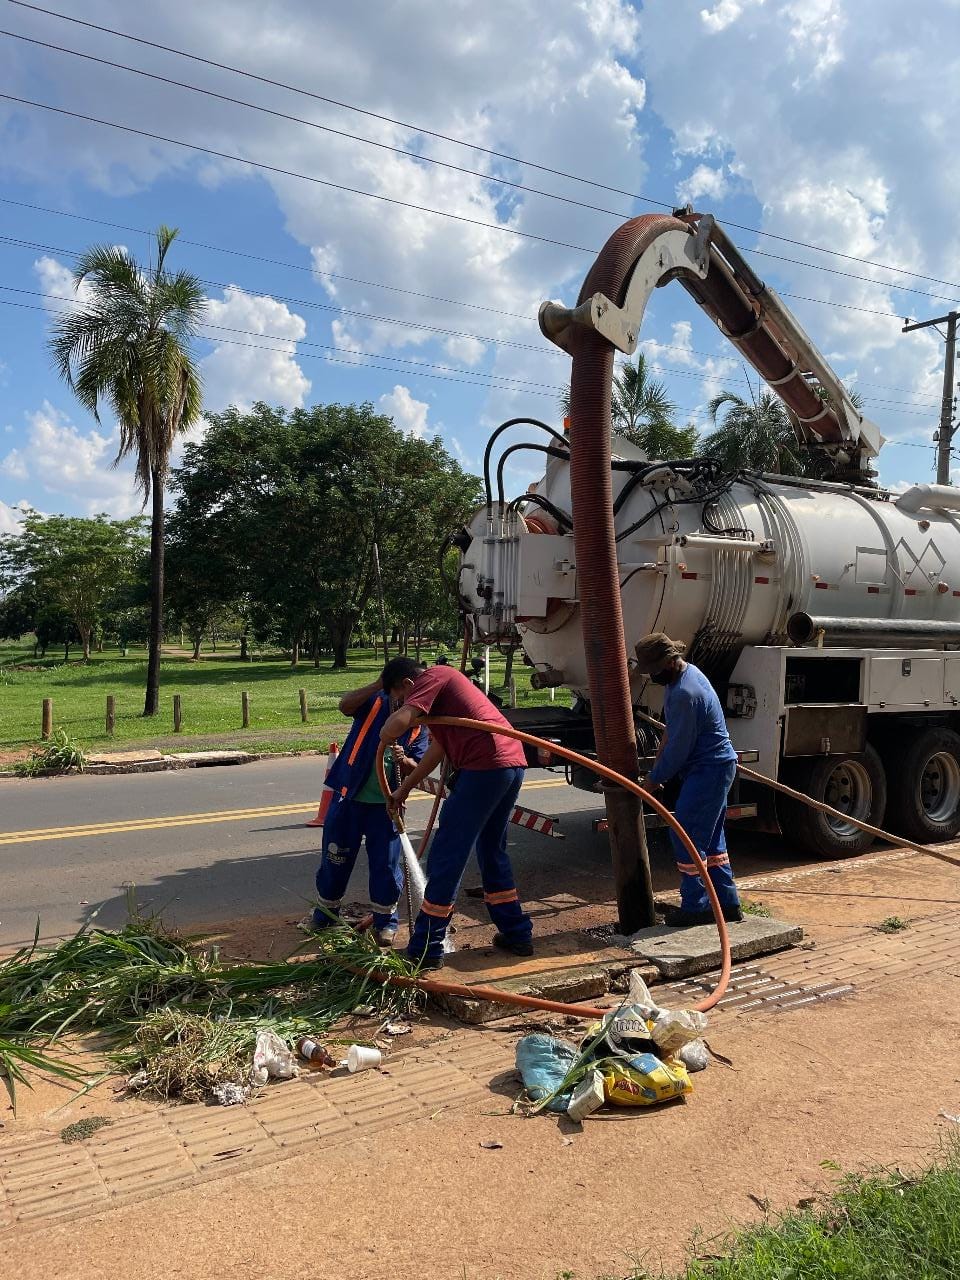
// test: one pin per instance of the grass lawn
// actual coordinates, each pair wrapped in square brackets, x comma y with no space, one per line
[889,1226]
[210,690]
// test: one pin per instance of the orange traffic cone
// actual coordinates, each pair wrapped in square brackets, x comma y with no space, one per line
[327,794]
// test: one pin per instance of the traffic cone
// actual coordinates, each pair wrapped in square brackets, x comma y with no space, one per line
[327,794]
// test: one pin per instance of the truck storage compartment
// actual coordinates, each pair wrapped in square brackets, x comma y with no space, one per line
[810,679]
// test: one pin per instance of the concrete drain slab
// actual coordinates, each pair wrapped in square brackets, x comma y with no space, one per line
[679,953]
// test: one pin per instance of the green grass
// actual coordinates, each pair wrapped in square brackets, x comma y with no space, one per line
[210,691]
[893,924]
[887,1226]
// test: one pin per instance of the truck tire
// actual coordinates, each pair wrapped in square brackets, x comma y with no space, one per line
[923,781]
[855,784]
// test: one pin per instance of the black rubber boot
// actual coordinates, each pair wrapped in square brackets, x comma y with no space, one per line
[516,948]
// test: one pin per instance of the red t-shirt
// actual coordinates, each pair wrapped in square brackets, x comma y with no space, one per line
[444,691]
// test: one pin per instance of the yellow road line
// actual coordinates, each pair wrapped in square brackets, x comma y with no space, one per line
[120,826]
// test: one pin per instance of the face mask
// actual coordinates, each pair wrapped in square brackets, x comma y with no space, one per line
[661,677]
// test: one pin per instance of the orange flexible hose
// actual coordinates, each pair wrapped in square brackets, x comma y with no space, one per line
[531,1002]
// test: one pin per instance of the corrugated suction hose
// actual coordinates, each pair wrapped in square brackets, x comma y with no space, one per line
[598,580]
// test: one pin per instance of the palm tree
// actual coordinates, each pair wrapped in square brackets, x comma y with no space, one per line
[127,343]
[643,413]
[755,435]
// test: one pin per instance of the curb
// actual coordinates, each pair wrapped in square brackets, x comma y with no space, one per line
[166,763]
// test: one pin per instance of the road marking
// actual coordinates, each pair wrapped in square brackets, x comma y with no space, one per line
[119,827]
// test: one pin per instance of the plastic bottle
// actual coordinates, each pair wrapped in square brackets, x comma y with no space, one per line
[311,1051]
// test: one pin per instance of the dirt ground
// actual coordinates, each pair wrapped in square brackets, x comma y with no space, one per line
[853,1082]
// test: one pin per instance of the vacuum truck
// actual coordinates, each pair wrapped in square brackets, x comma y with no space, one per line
[825,612]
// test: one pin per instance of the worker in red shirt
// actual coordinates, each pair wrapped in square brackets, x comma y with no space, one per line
[477,812]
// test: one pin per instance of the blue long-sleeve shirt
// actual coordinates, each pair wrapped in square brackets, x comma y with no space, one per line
[696,730]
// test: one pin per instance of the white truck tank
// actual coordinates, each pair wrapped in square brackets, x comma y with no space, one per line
[724,571]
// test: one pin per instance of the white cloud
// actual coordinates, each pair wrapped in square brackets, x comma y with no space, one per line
[11,515]
[410,415]
[704,181]
[14,465]
[75,467]
[244,367]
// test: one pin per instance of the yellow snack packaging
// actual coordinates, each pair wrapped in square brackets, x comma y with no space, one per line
[643,1081]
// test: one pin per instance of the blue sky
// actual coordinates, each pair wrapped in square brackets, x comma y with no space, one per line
[793,119]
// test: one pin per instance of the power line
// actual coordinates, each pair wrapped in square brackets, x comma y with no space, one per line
[418,365]
[411,324]
[293,173]
[414,326]
[460,142]
[267,261]
[619,214]
[374,284]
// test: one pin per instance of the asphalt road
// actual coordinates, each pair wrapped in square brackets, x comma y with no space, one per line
[218,843]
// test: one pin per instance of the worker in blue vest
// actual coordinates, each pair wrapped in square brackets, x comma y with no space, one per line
[696,748]
[358,814]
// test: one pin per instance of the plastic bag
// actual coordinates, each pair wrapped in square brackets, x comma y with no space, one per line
[673,1028]
[643,1081]
[543,1061]
[695,1055]
[638,993]
[273,1056]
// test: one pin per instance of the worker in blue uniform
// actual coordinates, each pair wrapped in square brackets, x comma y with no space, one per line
[358,813]
[696,748]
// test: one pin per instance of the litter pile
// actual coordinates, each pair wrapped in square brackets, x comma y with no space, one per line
[173,1016]
[637,1056]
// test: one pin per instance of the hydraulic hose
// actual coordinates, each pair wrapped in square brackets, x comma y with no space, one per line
[630,785]
[601,612]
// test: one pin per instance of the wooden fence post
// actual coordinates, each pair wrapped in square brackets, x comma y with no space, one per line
[111,713]
[177,713]
[46,728]
[303,705]
[245,708]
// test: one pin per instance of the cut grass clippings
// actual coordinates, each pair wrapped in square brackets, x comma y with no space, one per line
[884,1226]
[172,1012]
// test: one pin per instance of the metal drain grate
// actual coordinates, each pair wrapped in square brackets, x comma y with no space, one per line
[753,988]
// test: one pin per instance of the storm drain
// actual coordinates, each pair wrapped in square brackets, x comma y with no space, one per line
[753,988]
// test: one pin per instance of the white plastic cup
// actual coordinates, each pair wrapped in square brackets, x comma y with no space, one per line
[362,1058]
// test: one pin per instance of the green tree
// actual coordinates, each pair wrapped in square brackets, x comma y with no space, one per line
[127,342]
[643,413]
[291,505]
[74,565]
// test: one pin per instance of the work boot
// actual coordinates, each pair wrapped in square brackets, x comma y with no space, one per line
[316,922]
[426,963]
[385,937]
[516,946]
[678,918]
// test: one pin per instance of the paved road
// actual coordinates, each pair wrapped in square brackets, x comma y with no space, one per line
[216,844]
[211,844]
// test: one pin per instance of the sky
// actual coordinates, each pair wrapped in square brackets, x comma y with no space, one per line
[824,143]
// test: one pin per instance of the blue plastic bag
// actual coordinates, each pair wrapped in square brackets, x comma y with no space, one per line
[543,1061]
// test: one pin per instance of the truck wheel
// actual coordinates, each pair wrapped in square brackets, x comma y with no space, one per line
[854,784]
[924,785]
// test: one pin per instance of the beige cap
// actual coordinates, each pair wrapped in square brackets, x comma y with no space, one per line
[656,651]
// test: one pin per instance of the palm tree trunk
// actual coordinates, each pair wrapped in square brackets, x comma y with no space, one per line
[155,636]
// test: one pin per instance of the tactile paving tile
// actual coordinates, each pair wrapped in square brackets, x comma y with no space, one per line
[142,1156]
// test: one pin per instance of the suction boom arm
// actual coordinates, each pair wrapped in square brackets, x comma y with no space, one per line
[698,252]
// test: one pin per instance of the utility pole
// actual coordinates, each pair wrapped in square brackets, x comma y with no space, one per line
[945,438]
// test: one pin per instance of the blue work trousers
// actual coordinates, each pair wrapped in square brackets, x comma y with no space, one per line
[701,808]
[475,814]
[348,825]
